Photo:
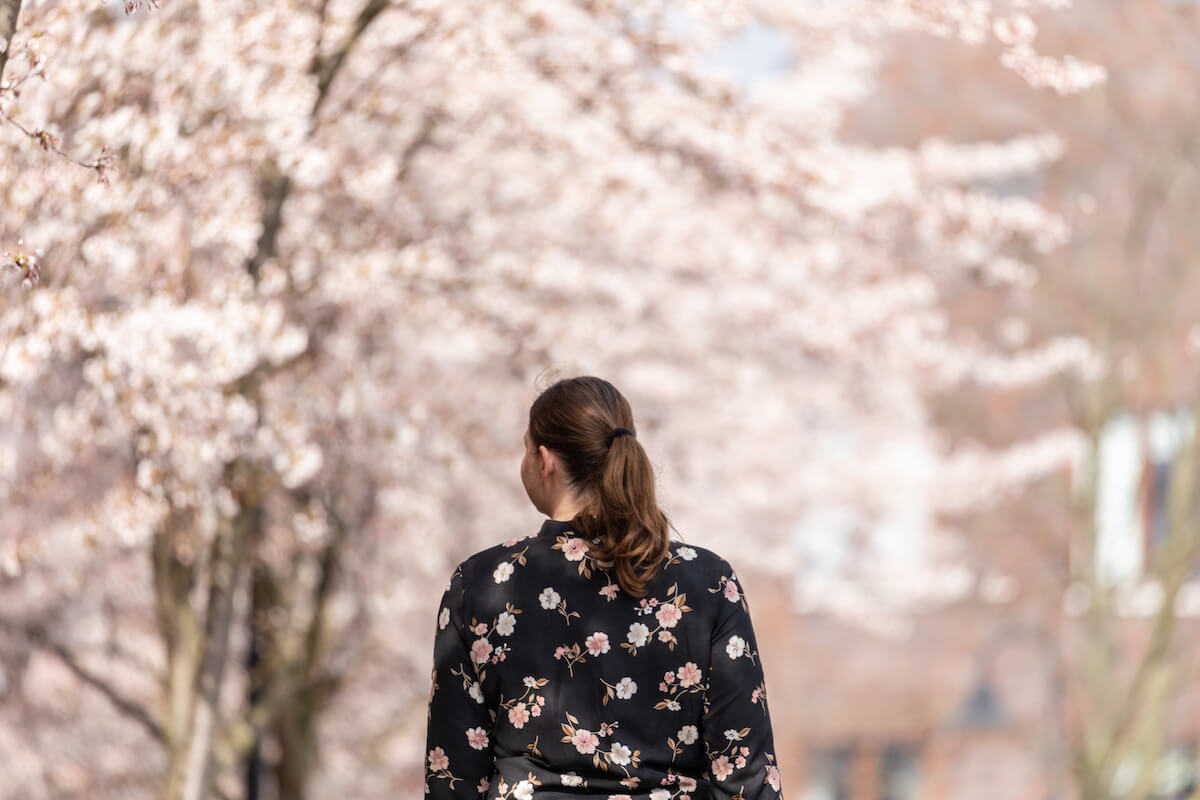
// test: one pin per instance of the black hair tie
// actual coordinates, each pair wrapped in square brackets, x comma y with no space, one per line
[615,433]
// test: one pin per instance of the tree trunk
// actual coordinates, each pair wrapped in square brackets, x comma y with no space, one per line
[9,11]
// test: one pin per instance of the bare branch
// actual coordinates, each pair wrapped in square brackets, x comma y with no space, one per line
[130,708]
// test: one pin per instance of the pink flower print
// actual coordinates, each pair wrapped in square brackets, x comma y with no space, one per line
[669,677]
[687,784]
[477,738]
[745,751]
[518,715]
[653,601]
[689,674]
[484,783]
[597,643]
[740,761]
[610,591]
[721,768]
[668,615]
[773,777]
[619,797]
[757,693]
[536,710]
[575,549]
[665,636]
[731,591]
[558,651]
[585,741]
[438,760]
[480,629]
[480,650]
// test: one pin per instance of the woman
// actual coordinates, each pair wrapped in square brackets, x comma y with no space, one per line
[596,658]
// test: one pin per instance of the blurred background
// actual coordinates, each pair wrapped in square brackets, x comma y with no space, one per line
[904,294]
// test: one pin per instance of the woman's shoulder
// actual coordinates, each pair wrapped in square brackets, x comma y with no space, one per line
[698,557]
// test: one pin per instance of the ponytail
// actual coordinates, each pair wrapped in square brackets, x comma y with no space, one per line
[590,425]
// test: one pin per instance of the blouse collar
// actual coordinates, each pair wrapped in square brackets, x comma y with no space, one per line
[553,527]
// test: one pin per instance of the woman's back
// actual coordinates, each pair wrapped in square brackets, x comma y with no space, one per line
[551,681]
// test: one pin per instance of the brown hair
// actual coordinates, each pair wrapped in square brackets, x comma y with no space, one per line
[574,417]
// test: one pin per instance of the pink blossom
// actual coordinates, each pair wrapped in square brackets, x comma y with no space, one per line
[731,591]
[773,777]
[689,674]
[669,677]
[558,651]
[665,636]
[669,615]
[585,741]
[610,591]
[597,643]
[721,768]
[575,549]
[438,760]
[477,738]
[480,650]
[518,715]
[687,784]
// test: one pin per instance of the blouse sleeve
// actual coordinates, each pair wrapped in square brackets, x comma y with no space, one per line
[458,759]
[737,734]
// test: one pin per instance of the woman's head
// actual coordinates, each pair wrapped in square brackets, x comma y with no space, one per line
[577,421]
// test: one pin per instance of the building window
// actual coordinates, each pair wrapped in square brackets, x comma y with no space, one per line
[900,773]
[1136,455]
[828,774]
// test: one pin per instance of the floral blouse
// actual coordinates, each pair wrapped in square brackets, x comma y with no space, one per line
[549,681]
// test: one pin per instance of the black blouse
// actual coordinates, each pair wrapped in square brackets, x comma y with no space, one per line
[550,681]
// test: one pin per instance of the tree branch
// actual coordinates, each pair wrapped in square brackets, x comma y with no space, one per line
[130,708]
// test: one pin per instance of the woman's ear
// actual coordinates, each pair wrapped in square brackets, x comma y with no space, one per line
[548,459]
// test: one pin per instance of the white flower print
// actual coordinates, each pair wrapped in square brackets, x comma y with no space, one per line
[736,647]
[597,643]
[477,738]
[588,612]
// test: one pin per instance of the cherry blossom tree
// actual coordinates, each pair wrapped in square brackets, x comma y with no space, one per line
[261,372]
